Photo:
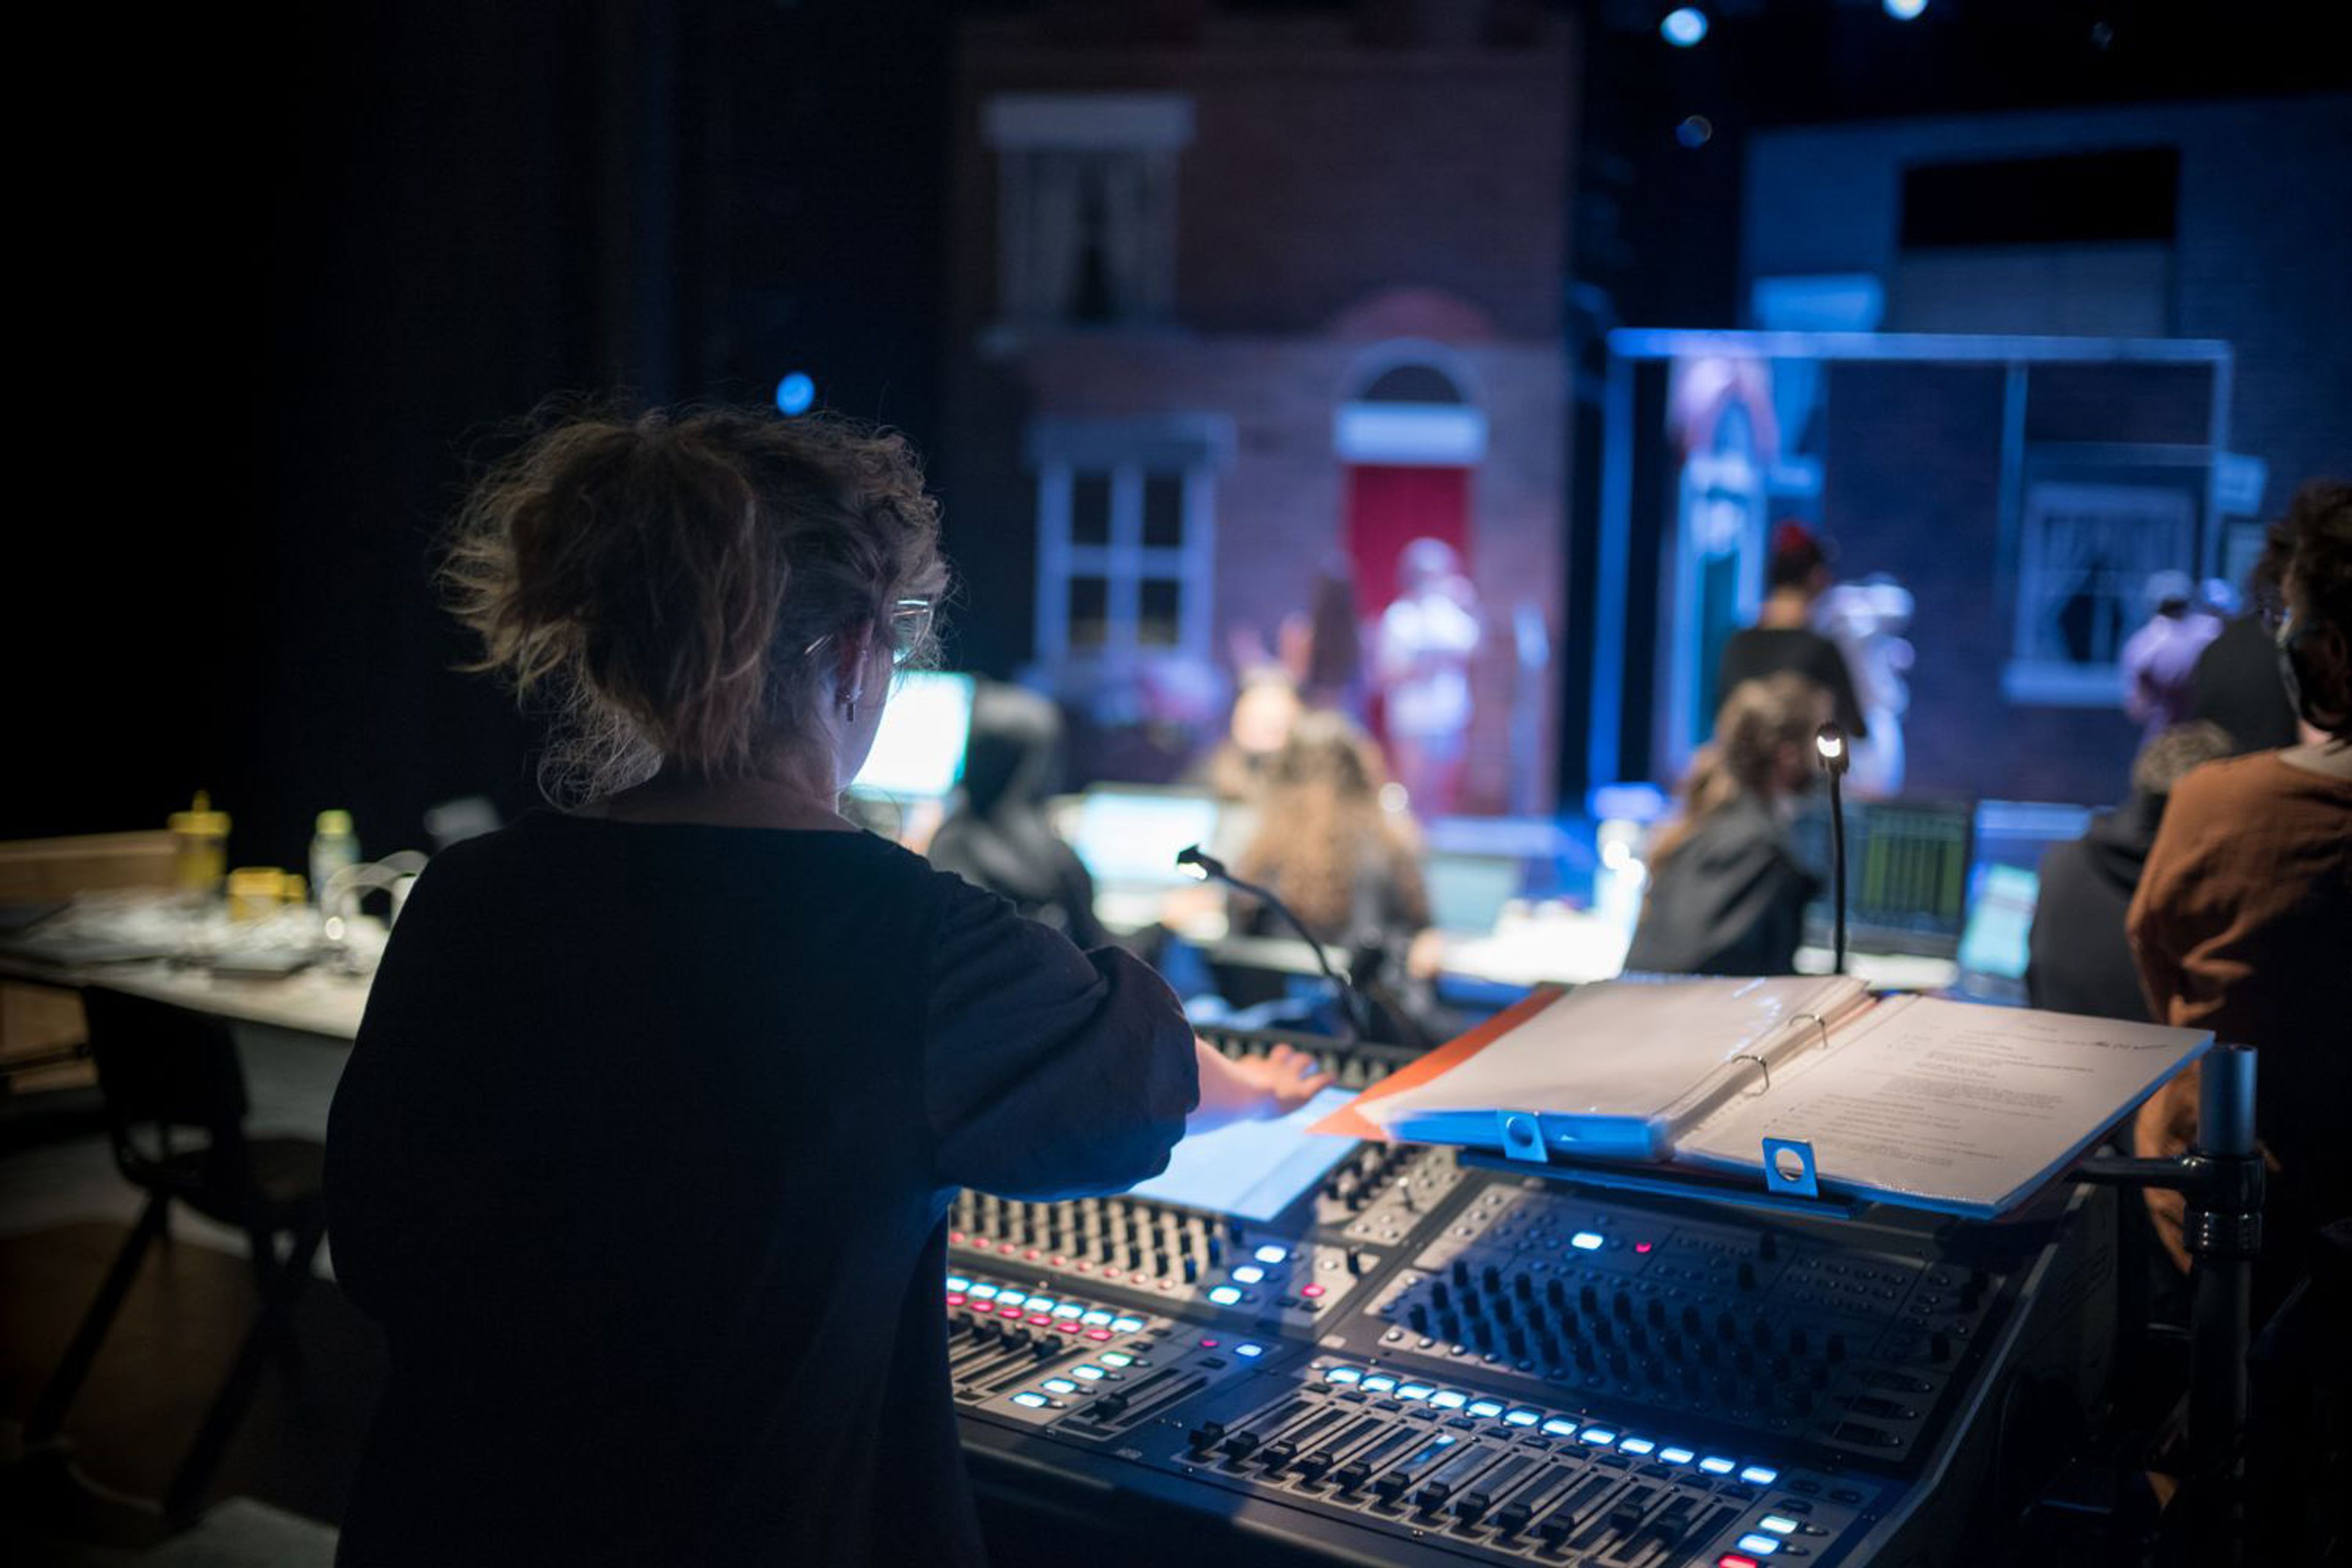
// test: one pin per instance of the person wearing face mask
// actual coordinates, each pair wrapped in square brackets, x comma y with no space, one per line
[1728,893]
[2243,923]
[644,1155]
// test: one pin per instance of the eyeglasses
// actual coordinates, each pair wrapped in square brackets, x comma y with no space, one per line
[909,628]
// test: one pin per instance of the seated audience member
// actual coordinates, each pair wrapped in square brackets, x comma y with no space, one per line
[2159,658]
[1727,894]
[1783,640]
[1266,709]
[2236,682]
[997,834]
[2080,961]
[1328,846]
[2242,924]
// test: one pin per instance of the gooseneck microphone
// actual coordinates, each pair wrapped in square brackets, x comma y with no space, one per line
[1353,1014]
[1829,744]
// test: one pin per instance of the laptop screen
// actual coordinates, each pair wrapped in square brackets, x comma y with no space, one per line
[1129,837]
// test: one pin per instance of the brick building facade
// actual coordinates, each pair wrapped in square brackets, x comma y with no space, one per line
[1194,259]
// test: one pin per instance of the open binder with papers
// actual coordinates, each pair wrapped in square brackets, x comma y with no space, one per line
[1910,1101]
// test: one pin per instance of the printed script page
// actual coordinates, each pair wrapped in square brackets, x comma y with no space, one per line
[1954,1104]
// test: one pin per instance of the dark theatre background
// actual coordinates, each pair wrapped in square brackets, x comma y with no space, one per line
[1200,312]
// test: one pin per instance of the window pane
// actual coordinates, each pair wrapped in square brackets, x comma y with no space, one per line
[1163,510]
[1162,610]
[1090,508]
[1090,612]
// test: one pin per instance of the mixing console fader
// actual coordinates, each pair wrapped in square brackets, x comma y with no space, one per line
[1295,1349]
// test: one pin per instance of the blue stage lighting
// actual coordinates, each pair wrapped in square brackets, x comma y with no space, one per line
[796,393]
[1904,10]
[1683,25]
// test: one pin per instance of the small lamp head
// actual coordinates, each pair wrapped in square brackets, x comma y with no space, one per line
[1828,742]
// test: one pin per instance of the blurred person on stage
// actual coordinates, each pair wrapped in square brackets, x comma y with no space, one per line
[1427,638]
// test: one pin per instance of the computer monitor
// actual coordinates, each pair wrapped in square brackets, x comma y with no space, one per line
[1468,892]
[2016,832]
[918,750]
[1994,949]
[1128,834]
[1906,875]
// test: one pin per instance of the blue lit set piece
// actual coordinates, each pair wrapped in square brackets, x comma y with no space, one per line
[1683,27]
[795,394]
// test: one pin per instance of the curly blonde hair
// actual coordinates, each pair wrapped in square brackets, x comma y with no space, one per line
[659,581]
[1321,823]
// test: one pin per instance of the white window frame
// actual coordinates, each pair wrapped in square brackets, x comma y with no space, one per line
[1126,450]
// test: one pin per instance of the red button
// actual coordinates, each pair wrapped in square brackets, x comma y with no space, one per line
[1040,1318]
[1008,1311]
[1735,1560]
[1310,1290]
[955,1298]
[1098,1333]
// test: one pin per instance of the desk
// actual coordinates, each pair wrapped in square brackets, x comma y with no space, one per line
[313,1003]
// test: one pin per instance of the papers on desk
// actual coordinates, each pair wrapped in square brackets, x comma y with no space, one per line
[1911,1100]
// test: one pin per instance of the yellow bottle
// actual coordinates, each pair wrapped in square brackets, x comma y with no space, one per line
[199,848]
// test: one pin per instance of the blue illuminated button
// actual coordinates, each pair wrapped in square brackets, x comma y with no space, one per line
[1225,1295]
[1379,1383]
[1522,1418]
[1586,1241]
[1716,1465]
[1676,1455]
[1032,1401]
[1252,1351]
[1126,1325]
[1272,1254]
[1763,1546]
[1598,1437]
[1091,1372]
[1095,1319]
[984,1292]
[1559,1426]
[1486,1407]
[1344,1375]
[1638,1445]
[1449,1399]
[1760,1475]
[1115,1357]
[1249,1274]
[958,1282]
[1059,1385]
[1415,1390]
[1777,1524]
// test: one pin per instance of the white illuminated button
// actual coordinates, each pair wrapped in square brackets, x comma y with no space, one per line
[1249,1274]
[1760,1475]
[1272,1254]
[1522,1418]
[1064,1385]
[1761,1545]
[1032,1401]
[1115,1357]
[1089,1371]
[1486,1407]
[1716,1465]
[1251,1351]
[1041,1303]
[1676,1455]
[1225,1295]
[1774,1522]
[1379,1383]
[1095,1319]
[1012,1298]
[1449,1399]
[1559,1426]
[1415,1390]
[1638,1445]
[1598,1437]
[1068,1310]
[984,1292]
[1126,1325]
[1586,1241]
[958,1282]
[1344,1375]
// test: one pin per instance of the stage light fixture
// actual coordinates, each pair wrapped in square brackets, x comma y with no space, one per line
[796,393]
[1904,10]
[1683,25]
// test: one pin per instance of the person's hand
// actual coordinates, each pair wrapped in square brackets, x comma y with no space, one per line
[1285,1078]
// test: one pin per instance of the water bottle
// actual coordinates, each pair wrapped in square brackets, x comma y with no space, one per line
[332,849]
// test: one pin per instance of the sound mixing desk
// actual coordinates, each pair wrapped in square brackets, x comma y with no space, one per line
[1297,1349]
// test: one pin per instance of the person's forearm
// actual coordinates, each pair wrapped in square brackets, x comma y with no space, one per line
[1226,1096]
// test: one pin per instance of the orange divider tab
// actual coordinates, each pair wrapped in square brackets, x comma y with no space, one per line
[1350,1122]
